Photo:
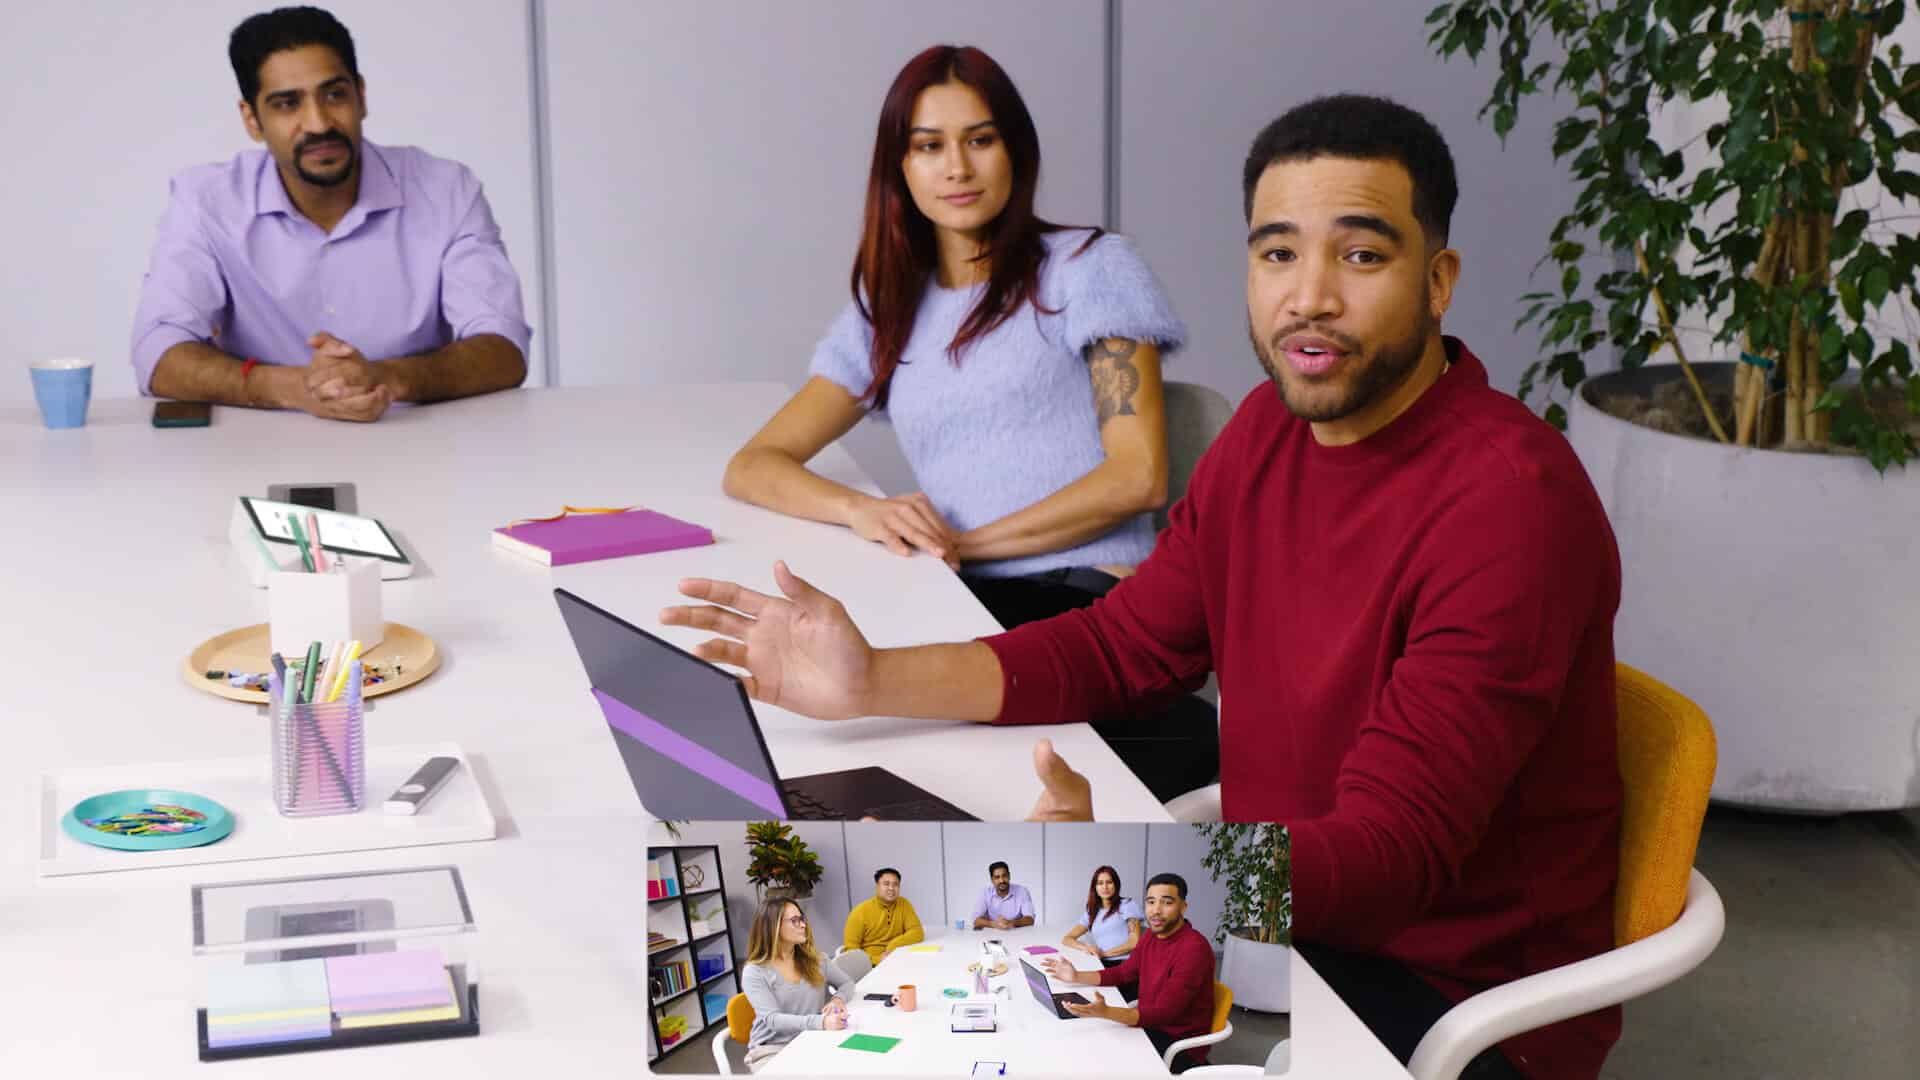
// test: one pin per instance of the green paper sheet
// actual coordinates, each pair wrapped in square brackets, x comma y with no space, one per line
[873,1044]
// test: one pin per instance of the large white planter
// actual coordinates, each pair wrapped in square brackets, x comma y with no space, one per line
[1261,975]
[1779,591]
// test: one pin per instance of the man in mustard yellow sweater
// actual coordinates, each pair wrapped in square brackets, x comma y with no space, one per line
[884,923]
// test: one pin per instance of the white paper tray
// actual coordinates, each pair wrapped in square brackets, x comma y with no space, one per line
[458,812]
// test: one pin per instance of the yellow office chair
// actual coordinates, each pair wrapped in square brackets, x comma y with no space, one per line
[739,1026]
[1221,1031]
[1667,917]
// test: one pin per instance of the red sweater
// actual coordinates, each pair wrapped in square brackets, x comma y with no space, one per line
[1414,641]
[1175,977]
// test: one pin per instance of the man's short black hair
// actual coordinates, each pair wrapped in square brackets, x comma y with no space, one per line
[1370,129]
[1179,884]
[884,871]
[269,32]
[991,867]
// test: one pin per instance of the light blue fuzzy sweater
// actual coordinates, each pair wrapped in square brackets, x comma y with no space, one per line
[1014,422]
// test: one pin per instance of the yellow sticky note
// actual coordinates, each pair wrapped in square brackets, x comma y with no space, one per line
[923,948]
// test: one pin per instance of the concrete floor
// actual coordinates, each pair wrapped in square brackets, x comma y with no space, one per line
[1818,975]
[1817,978]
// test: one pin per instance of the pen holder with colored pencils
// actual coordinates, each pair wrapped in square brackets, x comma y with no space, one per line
[335,605]
[319,750]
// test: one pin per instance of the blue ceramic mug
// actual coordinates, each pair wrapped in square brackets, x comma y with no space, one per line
[63,387]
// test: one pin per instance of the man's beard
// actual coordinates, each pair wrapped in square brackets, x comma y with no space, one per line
[326,180]
[1371,375]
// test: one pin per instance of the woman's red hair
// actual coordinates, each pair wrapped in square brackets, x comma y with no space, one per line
[898,253]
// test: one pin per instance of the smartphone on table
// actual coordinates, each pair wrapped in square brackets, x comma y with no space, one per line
[182,414]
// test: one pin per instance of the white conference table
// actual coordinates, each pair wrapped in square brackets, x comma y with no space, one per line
[117,564]
[1031,1041]
[1328,1041]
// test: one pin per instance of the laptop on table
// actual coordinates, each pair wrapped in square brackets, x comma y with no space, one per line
[1055,1003]
[693,746]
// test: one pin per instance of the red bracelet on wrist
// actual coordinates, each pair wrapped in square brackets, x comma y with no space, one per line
[246,390]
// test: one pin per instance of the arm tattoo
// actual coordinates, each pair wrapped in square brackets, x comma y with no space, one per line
[1115,379]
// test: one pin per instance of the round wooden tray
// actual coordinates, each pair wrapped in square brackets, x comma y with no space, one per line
[250,649]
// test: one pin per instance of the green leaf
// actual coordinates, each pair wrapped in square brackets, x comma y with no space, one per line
[1570,280]
[1826,39]
[1860,344]
[1900,360]
[1569,134]
[1832,342]
[1850,298]
[1875,285]
[1830,400]
[1859,162]
[1557,416]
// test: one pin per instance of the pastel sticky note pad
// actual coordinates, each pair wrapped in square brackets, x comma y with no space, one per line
[252,989]
[239,1019]
[409,1016]
[873,1044]
[221,1038]
[446,1008]
[1041,949]
[385,980]
[923,948]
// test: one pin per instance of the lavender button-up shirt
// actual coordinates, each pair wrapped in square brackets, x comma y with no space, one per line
[417,263]
[992,905]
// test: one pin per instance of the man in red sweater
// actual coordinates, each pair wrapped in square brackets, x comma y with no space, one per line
[1404,581]
[1173,967]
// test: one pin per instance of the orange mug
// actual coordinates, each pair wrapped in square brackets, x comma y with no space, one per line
[908,998]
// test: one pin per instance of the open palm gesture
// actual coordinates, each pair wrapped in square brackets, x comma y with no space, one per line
[801,652]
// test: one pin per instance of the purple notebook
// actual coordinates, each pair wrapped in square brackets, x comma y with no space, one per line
[580,538]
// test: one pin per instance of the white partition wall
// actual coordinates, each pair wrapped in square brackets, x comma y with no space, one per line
[943,867]
[971,847]
[911,847]
[1178,849]
[709,166]
[1075,850]
[103,101]
[826,909]
[1199,80]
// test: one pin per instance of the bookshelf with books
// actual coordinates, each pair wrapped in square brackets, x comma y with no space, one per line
[692,971]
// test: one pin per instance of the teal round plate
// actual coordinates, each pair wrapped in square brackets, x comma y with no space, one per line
[218,824]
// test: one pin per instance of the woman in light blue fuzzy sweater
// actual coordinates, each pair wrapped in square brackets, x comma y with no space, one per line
[1019,364]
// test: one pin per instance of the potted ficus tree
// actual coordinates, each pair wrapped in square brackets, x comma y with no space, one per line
[1743,206]
[1254,862]
[779,863]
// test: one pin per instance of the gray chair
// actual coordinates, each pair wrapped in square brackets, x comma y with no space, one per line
[1195,415]
[853,962]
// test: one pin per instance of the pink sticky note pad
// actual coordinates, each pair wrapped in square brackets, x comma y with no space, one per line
[387,980]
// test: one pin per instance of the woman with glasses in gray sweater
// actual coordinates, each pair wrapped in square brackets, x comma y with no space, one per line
[791,988]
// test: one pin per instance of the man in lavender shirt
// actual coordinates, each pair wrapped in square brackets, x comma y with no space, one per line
[324,273]
[1002,905]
